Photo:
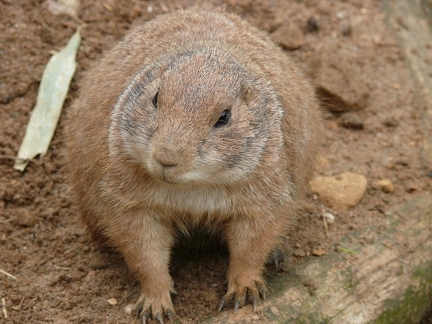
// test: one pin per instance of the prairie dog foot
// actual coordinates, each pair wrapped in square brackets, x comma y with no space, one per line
[157,307]
[244,288]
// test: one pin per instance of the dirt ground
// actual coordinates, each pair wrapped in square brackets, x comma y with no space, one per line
[63,278]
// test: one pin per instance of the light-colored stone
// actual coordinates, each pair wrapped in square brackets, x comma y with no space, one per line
[340,192]
[318,252]
[385,185]
[112,301]
[129,309]
[299,253]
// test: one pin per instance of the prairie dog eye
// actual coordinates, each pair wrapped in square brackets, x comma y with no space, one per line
[155,99]
[224,118]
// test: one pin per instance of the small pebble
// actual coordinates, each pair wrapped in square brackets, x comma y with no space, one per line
[329,217]
[299,253]
[385,185]
[25,218]
[129,309]
[112,301]
[318,252]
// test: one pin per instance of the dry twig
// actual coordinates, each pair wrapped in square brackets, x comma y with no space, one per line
[4,308]
[325,222]
[8,274]
[18,307]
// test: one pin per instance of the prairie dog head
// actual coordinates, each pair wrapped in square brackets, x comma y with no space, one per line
[200,117]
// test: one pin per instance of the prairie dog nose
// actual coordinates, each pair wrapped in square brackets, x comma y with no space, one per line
[167,155]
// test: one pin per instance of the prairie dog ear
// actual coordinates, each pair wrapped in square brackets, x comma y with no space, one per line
[144,83]
[154,70]
[246,92]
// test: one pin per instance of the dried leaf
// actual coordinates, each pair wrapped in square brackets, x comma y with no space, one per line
[53,89]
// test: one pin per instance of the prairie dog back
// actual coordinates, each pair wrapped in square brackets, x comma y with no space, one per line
[195,119]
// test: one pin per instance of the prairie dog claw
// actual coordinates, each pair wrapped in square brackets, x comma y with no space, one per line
[253,292]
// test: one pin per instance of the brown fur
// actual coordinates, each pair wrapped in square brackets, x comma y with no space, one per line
[142,174]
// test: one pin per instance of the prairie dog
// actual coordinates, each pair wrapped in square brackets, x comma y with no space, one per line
[194,120]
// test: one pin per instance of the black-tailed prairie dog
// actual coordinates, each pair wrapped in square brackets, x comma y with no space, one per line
[194,121]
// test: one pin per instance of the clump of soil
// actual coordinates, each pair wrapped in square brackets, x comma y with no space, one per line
[344,47]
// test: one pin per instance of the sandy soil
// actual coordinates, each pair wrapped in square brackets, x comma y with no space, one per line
[62,277]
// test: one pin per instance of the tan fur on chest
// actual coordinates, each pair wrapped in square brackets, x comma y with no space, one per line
[193,203]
